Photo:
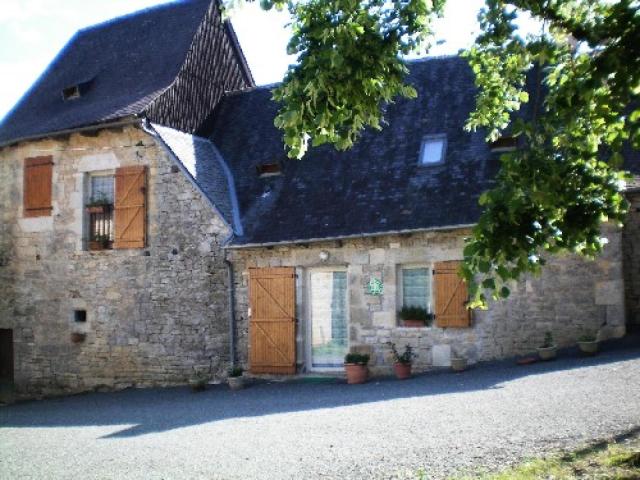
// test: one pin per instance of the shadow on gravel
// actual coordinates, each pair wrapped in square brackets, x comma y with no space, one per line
[158,410]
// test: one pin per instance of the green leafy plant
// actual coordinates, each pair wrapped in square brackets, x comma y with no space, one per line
[548,340]
[99,201]
[588,337]
[357,358]
[405,358]
[236,371]
[415,313]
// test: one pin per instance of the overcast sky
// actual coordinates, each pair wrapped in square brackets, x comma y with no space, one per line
[32,32]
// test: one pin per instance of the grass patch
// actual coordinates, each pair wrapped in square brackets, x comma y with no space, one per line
[603,461]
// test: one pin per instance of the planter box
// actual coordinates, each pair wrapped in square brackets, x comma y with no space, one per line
[97,209]
[99,245]
[414,323]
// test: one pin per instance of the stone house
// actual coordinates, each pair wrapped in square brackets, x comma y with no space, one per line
[152,227]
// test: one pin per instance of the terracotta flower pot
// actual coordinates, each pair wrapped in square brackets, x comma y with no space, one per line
[547,353]
[403,370]
[356,373]
[589,348]
[414,323]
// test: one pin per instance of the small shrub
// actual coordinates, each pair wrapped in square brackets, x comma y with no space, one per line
[588,337]
[548,340]
[405,358]
[235,371]
[357,358]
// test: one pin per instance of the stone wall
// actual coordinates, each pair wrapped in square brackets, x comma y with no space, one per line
[154,315]
[631,240]
[571,297]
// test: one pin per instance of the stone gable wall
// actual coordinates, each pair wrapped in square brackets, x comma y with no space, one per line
[154,315]
[571,297]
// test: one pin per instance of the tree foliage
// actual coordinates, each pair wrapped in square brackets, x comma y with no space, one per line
[579,79]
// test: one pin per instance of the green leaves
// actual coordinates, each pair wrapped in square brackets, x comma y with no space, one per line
[349,65]
[554,194]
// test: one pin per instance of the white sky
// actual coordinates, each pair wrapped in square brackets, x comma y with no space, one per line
[32,32]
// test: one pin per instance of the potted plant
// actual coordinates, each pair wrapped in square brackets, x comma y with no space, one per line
[199,382]
[413,316]
[235,378]
[100,242]
[355,366]
[78,337]
[547,351]
[98,204]
[402,362]
[588,344]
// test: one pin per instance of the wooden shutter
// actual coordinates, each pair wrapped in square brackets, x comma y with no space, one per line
[130,207]
[272,329]
[37,186]
[451,296]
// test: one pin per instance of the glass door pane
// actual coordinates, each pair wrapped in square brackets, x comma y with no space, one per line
[328,319]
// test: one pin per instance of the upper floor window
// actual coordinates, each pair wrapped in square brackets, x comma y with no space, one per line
[433,149]
[38,186]
[504,144]
[100,210]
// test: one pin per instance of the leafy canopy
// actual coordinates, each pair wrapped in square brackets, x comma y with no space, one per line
[579,80]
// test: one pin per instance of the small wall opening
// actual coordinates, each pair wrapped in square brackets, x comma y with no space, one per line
[80,316]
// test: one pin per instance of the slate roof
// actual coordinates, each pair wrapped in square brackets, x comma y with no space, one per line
[128,61]
[374,188]
[208,170]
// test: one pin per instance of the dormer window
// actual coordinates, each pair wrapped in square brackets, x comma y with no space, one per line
[433,149]
[504,144]
[76,91]
[269,169]
[71,93]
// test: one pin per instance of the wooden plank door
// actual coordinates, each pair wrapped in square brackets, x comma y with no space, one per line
[6,355]
[272,324]
[450,296]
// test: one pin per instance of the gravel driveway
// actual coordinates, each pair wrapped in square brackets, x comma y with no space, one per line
[442,423]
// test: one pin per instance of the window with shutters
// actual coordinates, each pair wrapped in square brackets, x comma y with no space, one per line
[415,286]
[37,187]
[99,208]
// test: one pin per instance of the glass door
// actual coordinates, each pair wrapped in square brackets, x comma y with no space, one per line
[329,319]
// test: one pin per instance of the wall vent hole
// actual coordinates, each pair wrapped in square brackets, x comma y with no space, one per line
[80,316]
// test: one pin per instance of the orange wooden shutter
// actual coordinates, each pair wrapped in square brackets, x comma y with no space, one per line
[37,186]
[272,327]
[130,207]
[450,296]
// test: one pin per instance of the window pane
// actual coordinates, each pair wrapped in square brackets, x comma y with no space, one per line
[328,319]
[415,287]
[432,150]
[102,188]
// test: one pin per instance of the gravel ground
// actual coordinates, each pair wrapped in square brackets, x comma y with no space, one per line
[442,423]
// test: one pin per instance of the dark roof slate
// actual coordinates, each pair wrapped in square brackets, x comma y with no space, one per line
[128,62]
[375,187]
[207,168]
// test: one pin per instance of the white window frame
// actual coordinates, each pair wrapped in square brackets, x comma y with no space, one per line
[400,282]
[309,326]
[431,138]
